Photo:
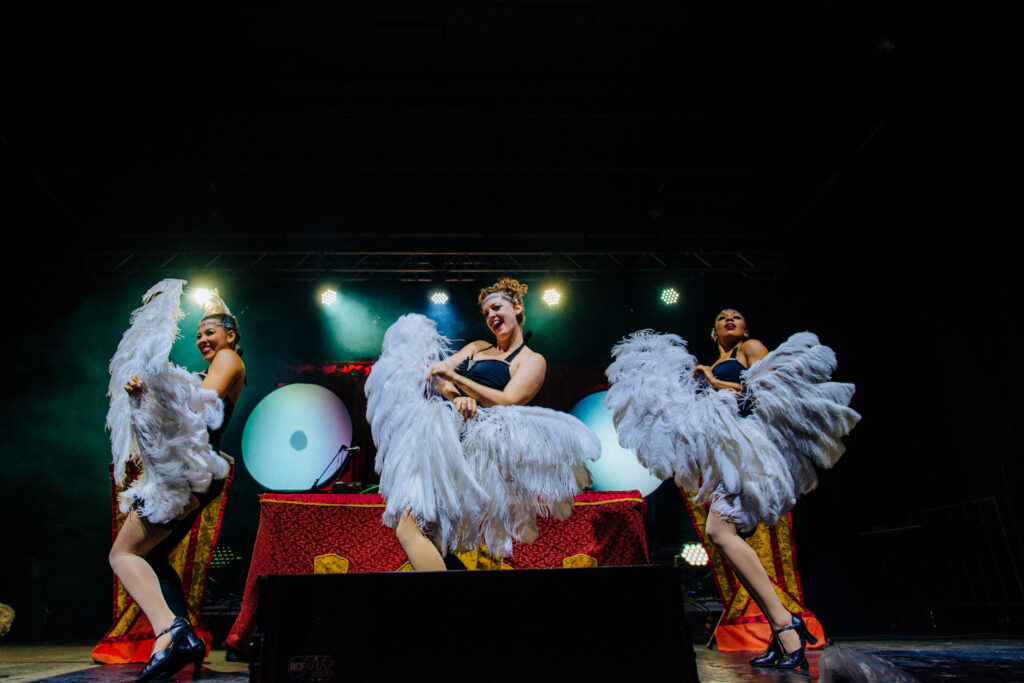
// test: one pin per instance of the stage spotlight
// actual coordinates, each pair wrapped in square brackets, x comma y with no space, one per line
[201,295]
[439,297]
[694,554]
[551,296]
[669,296]
[328,297]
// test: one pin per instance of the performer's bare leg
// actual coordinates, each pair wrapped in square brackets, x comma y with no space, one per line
[752,575]
[128,560]
[422,553]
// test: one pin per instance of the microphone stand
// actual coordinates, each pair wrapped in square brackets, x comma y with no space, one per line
[347,450]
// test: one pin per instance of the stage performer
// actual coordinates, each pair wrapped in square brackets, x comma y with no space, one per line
[170,421]
[744,434]
[462,459]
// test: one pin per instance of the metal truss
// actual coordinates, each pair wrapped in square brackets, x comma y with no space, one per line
[439,266]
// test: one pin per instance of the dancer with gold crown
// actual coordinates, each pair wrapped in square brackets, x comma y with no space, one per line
[170,421]
[462,459]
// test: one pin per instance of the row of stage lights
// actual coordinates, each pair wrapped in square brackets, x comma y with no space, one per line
[439,297]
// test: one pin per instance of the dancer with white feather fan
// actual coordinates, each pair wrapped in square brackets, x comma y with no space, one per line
[169,421]
[462,460]
[744,433]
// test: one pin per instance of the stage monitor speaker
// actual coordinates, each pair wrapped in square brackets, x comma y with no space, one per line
[596,624]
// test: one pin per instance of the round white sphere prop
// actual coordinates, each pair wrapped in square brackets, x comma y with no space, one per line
[617,469]
[292,435]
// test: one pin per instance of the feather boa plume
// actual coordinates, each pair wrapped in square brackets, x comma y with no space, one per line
[751,469]
[166,428]
[419,457]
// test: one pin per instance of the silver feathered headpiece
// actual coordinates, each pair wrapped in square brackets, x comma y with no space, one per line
[212,304]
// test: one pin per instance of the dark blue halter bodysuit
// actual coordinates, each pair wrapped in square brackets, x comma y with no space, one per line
[490,372]
[216,434]
[731,370]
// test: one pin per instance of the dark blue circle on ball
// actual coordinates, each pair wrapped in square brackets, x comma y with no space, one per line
[299,440]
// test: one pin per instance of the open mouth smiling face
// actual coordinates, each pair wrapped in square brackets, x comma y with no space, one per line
[500,314]
[210,339]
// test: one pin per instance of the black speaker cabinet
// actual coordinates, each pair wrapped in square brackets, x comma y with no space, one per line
[597,624]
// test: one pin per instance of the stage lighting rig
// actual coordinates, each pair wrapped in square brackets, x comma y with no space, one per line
[438,297]
[669,296]
[551,296]
[694,554]
[328,297]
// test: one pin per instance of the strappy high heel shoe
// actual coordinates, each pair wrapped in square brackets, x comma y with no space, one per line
[770,656]
[797,659]
[185,648]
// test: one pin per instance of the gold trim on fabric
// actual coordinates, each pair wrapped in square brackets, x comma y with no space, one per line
[481,559]
[579,561]
[613,500]
[330,564]
[329,505]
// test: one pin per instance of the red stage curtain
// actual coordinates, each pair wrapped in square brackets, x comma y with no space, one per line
[331,533]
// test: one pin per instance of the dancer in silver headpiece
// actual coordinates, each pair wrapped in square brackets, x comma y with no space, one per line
[169,421]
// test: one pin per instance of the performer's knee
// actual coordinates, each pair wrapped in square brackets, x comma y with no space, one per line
[718,531]
[116,558]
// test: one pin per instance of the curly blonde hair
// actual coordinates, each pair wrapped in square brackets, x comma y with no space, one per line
[510,287]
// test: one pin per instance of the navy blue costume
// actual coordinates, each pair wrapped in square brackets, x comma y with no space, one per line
[490,372]
[731,370]
[218,433]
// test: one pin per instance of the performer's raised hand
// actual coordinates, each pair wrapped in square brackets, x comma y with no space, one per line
[135,387]
[442,369]
[702,373]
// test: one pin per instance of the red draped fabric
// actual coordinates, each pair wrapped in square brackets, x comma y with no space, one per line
[329,533]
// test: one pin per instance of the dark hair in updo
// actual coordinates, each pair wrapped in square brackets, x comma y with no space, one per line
[746,323]
[229,322]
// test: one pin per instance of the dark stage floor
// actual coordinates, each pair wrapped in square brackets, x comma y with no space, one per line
[926,660]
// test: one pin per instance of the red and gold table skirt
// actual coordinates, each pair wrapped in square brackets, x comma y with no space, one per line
[338,533]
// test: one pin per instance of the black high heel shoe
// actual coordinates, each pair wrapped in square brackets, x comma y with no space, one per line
[185,648]
[769,656]
[797,659]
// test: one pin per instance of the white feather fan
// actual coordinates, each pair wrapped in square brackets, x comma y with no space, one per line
[466,482]
[166,428]
[751,469]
